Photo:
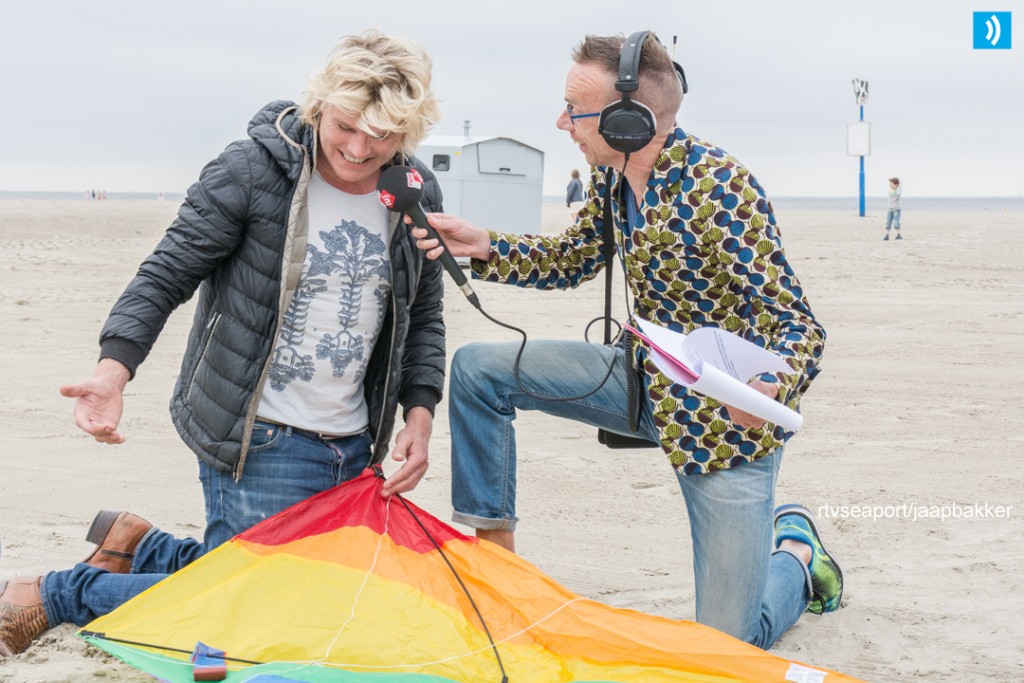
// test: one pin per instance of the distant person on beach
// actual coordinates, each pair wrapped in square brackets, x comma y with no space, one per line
[892,214]
[701,248]
[316,317]
[574,194]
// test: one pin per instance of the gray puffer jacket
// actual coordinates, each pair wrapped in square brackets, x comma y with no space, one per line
[240,239]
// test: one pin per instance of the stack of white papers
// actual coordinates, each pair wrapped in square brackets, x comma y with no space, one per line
[719,364]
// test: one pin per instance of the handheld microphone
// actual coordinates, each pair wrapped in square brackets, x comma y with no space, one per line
[400,188]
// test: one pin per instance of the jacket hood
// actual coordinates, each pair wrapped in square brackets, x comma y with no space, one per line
[283,136]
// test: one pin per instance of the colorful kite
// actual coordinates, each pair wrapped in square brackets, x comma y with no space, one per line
[348,586]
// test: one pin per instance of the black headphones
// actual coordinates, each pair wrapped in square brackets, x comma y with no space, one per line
[628,125]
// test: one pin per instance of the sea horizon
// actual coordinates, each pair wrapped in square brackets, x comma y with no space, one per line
[873,204]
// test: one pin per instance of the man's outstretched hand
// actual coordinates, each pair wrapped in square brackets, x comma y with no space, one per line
[98,402]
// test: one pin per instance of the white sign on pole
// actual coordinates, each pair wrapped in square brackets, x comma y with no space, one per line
[858,139]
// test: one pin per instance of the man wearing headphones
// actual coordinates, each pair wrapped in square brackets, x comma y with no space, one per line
[701,248]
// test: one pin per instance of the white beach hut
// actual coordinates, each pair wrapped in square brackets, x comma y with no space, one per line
[493,182]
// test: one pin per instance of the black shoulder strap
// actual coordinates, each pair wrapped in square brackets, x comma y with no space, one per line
[608,249]
[634,385]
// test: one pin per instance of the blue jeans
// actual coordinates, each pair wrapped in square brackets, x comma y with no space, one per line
[283,467]
[743,588]
[892,219]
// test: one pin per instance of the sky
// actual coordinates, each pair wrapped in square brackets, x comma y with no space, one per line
[138,96]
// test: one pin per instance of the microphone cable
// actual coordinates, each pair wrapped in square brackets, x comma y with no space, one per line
[400,189]
[586,332]
[522,349]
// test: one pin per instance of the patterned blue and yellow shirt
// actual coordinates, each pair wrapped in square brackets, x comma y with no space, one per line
[702,250]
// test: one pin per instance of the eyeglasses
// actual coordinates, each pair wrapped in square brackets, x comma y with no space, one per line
[573,117]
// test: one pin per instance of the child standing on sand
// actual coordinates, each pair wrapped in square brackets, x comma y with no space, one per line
[892,215]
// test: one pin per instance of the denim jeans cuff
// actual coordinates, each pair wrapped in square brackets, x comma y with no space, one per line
[809,592]
[486,523]
[132,569]
[52,618]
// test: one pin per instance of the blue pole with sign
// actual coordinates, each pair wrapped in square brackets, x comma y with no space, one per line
[858,141]
[862,170]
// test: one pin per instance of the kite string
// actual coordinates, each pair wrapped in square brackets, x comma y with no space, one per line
[359,593]
[366,580]
[354,665]
[462,585]
[322,660]
[415,665]
[363,586]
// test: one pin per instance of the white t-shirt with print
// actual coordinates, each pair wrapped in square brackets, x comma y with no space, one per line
[320,358]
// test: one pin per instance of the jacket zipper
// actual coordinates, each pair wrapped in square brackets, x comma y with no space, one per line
[205,346]
[391,354]
[250,413]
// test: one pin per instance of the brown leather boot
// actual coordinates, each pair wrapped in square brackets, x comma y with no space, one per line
[117,534]
[22,617]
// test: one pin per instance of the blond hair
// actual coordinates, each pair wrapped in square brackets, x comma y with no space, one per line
[383,80]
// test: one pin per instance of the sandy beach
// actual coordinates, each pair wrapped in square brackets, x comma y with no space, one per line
[910,453]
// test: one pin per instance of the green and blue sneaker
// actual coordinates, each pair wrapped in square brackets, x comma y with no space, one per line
[796,523]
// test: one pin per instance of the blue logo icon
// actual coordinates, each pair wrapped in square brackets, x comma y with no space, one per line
[992,31]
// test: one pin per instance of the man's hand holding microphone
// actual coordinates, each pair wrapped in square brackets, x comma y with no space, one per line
[400,189]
